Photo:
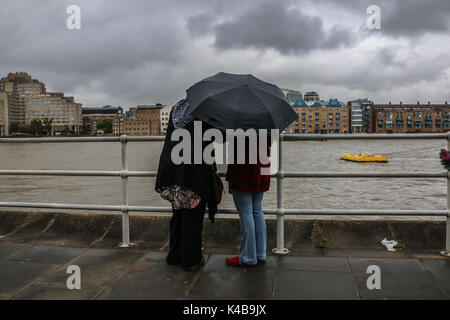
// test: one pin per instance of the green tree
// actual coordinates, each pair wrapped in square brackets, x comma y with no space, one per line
[86,125]
[66,131]
[105,125]
[14,127]
[47,124]
[36,127]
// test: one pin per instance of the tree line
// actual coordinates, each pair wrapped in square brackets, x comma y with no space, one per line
[43,127]
[37,127]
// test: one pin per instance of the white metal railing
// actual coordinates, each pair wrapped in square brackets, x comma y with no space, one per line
[280,211]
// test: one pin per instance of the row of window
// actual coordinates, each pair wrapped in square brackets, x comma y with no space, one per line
[318,131]
[415,114]
[415,125]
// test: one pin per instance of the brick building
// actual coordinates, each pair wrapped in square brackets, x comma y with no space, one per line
[146,123]
[320,117]
[165,113]
[410,118]
[93,115]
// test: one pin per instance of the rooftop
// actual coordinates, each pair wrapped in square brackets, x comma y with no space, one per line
[102,110]
[300,103]
[150,106]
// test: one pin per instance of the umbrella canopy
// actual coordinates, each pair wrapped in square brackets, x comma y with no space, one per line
[233,101]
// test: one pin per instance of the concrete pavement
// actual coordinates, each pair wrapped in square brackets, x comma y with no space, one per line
[39,272]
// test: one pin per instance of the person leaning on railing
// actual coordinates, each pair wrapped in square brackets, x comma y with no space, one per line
[189,188]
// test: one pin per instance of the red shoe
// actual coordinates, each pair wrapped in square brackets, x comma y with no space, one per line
[236,262]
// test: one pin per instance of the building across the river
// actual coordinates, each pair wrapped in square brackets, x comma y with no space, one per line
[131,113]
[292,95]
[311,96]
[165,113]
[26,99]
[318,116]
[4,121]
[410,118]
[360,115]
[91,116]
[146,123]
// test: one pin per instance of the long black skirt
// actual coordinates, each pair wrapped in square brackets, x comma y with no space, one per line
[185,248]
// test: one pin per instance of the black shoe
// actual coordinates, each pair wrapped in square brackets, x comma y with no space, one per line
[196,266]
[261,262]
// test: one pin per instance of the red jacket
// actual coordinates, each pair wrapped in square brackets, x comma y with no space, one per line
[247,177]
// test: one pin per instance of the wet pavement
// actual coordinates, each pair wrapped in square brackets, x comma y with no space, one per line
[39,272]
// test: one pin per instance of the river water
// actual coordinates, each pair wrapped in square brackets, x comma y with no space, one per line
[335,193]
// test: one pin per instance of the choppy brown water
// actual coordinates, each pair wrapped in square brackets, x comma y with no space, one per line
[336,193]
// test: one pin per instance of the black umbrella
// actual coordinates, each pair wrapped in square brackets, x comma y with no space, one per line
[233,101]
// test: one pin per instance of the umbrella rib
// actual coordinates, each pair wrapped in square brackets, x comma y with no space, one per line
[271,118]
[236,111]
[213,95]
[265,100]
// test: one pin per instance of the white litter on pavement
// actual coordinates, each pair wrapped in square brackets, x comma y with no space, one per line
[389,244]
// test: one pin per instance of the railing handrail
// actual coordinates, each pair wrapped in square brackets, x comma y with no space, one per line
[286,174]
[280,211]
[284,137]
[299,212]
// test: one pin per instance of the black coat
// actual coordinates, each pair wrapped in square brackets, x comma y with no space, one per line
[196,177]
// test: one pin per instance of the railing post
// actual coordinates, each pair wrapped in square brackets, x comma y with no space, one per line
[447,229]
[124,177]
[280,249]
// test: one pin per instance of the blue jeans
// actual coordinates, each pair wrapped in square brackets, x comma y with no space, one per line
[253,226]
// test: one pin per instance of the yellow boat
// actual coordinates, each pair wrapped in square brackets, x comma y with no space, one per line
[364,157]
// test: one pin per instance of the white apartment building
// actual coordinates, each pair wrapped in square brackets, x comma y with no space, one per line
[164,118]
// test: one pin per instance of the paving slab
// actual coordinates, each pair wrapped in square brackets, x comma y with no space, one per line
[151,278]
[39,272]
[400,279]
[219,281]
[52,292]
[314,264]
[98,267]
[47,254]
[15,276]
[440,270]
[7,249]
[315,285]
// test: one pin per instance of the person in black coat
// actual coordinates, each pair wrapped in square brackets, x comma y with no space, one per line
[189,188]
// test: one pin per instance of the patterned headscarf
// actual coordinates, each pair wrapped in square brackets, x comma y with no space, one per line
[180,114]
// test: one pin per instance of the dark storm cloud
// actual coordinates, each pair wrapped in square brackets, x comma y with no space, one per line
[123,50]
[200,25]
[416,17]
[387,57]
[276,26]
[406,18]
[338,37]
[148,51]
[384,70]
[108,39]
[114,43]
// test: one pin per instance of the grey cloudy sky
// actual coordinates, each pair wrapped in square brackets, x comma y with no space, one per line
[149,51]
